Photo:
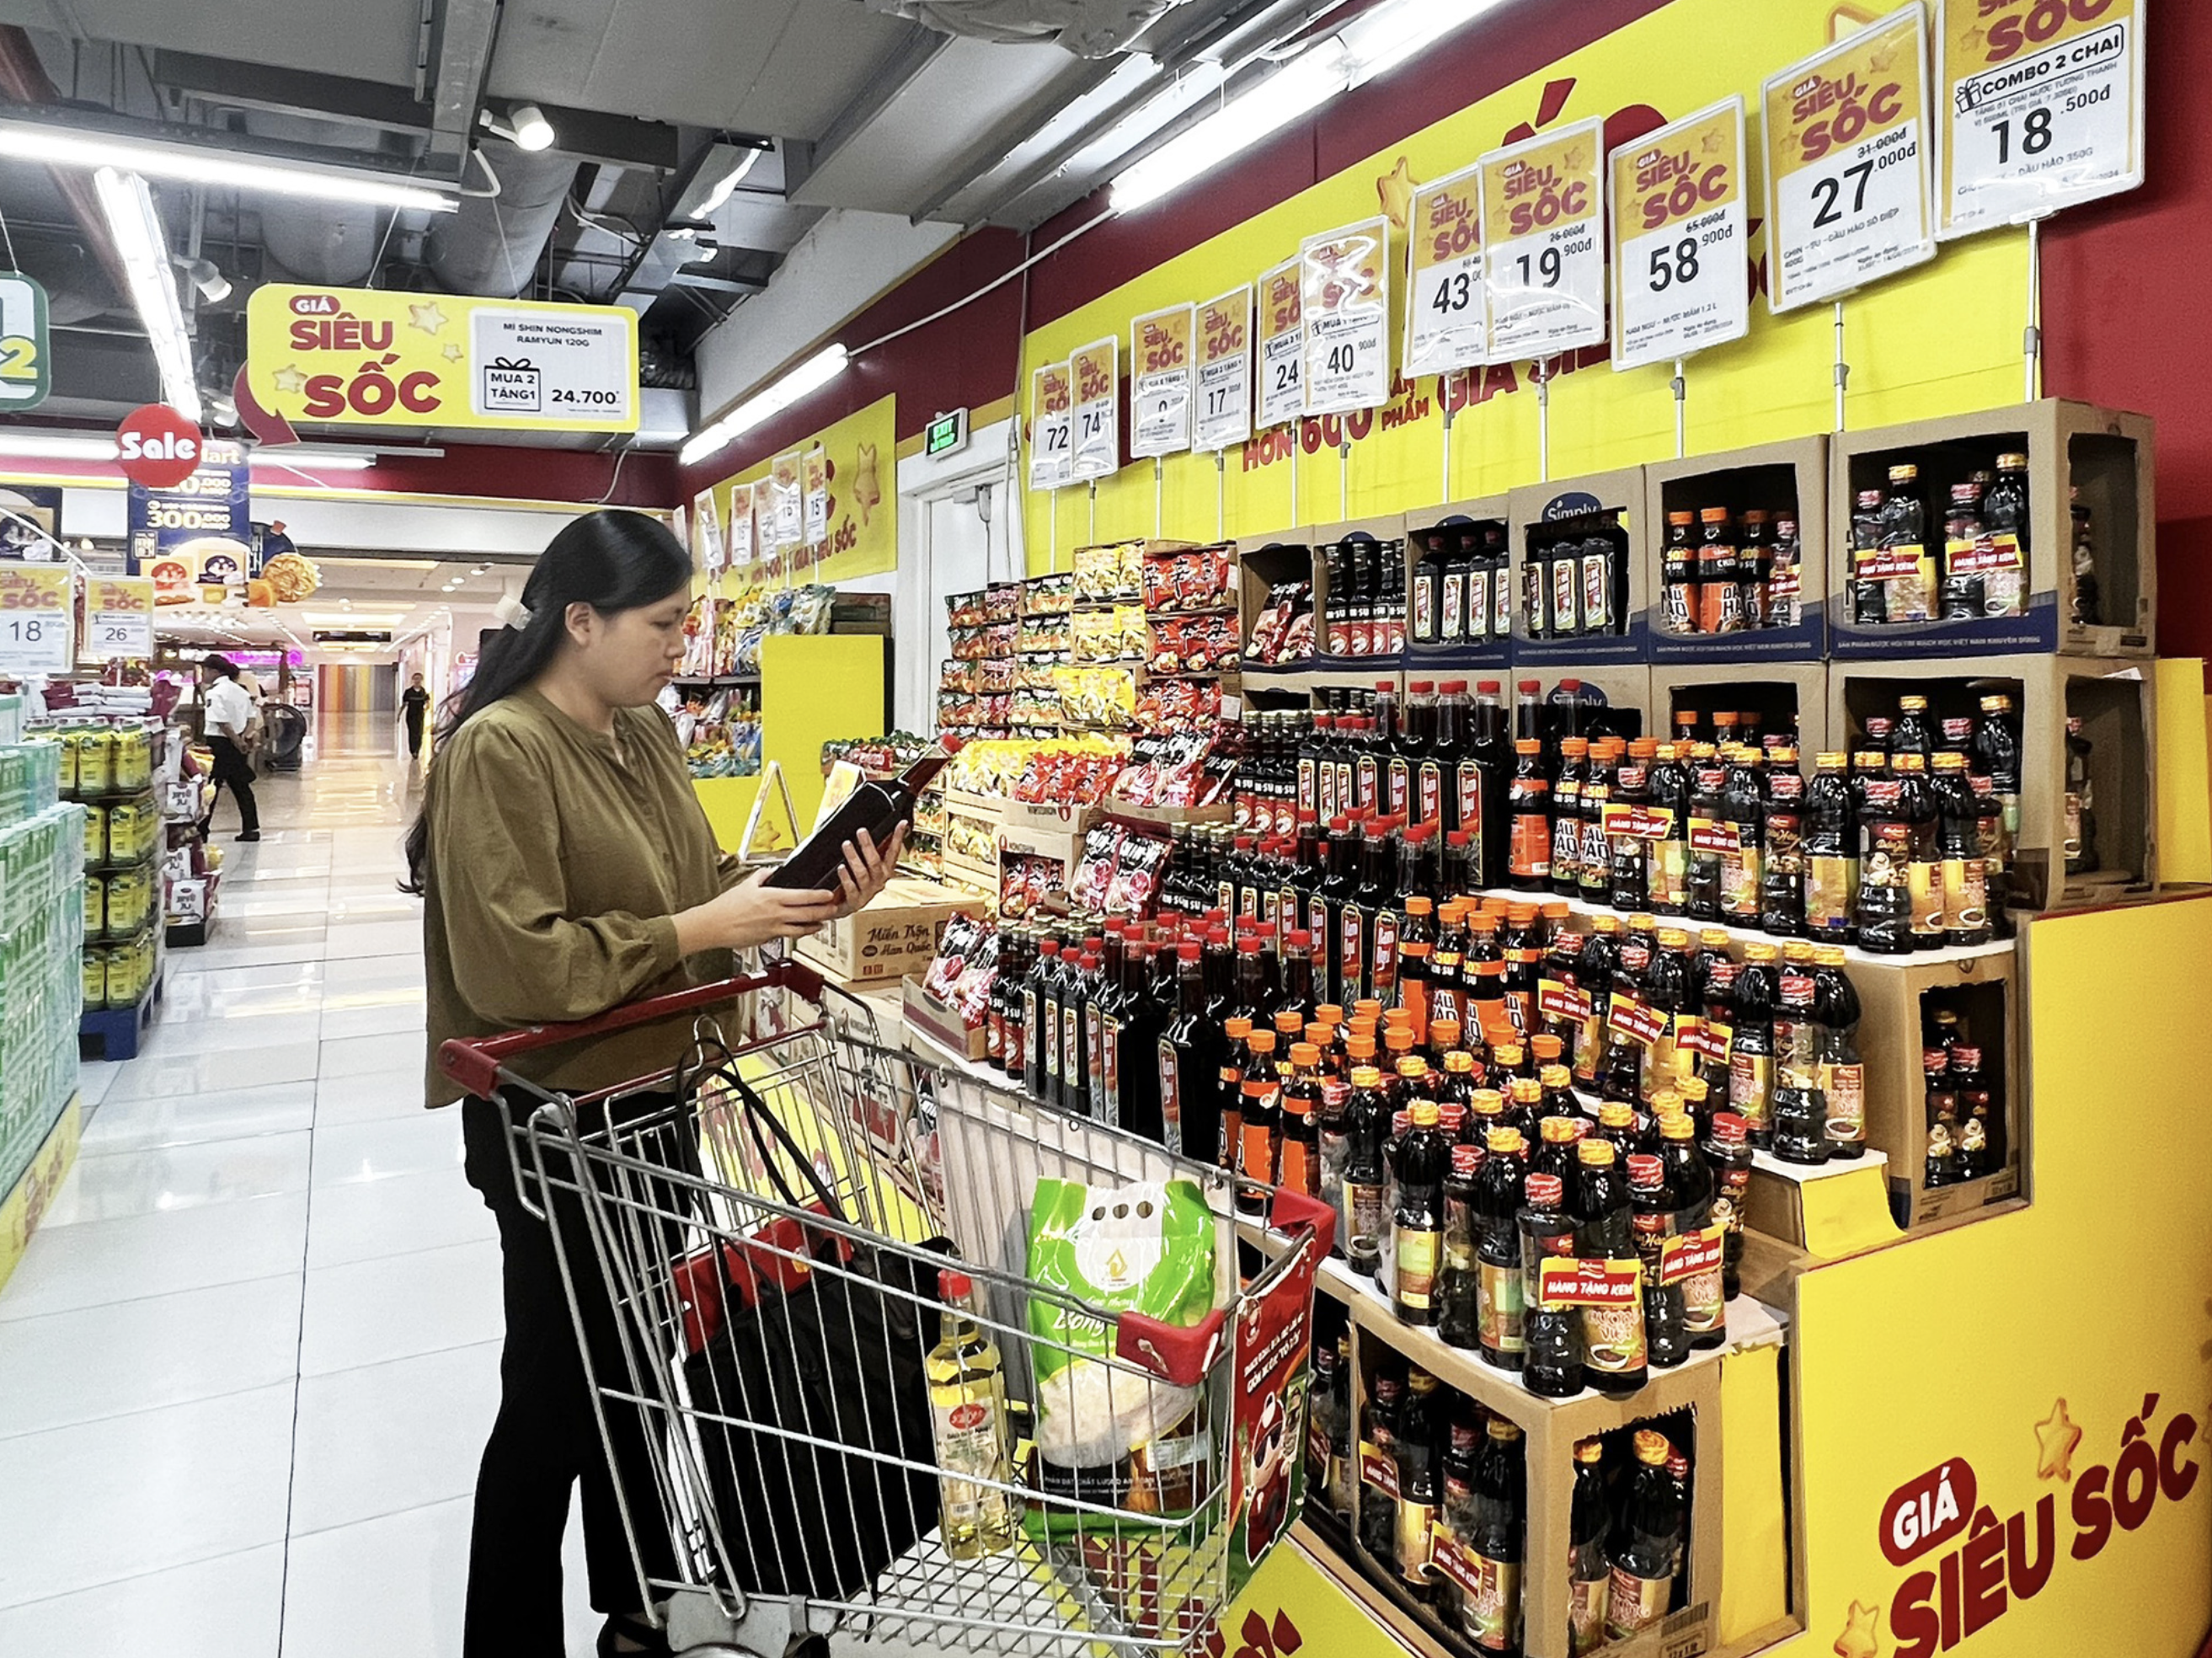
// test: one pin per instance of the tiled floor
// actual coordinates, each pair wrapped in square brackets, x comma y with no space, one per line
[247,1364]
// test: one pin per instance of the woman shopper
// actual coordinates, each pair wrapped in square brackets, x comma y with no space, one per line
[230,711]
[567,869]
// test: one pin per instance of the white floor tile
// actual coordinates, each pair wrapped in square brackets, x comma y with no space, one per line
[374,938]
[192,997]
[418,1559]
[167,1178]
[144,1355]
[370,1096]
[394,1217]
[98,1262]
[384,902]
[230,1608]
[394,1013]
[385,1438]
[143,1492]
[372,1311]
[413,1144]
[226,950]
[399,971]
[94,1078]
[173,1037]
[352,1055]
[152,1077]
[185,1119]
[188,980]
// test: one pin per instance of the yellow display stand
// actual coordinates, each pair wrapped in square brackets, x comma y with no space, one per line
[814,689]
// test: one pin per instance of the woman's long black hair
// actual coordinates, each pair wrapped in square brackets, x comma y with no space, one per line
[612,560]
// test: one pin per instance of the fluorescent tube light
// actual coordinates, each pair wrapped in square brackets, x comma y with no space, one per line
[730,181]
[52,445]
[1309,82]
[26,141]
[817,372]
[129,207]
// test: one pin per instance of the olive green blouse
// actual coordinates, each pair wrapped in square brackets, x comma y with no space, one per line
[559,859]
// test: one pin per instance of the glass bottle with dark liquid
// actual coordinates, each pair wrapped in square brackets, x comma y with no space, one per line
[878,806]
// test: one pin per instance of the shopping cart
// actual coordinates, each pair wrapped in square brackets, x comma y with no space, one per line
[802,1192]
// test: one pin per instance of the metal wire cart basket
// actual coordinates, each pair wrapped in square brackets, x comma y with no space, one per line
[761,1247]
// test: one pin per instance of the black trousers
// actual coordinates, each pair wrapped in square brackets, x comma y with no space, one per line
[545,1437]
[232,767]
[414,734]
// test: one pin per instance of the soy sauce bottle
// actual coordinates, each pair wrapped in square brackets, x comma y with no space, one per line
[1552,1365]
[1500,1309]
[1750,1063]
[1614,1354]
[1667,1340]
[1424,1159]
[1831,853]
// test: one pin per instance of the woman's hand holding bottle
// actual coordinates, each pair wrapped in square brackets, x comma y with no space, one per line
[753,912]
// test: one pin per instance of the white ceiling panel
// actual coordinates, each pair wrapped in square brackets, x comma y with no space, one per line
[368,40]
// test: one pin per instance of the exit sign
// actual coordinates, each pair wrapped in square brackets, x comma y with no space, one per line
[947,434]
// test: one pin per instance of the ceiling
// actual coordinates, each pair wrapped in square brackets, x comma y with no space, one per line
[366,593]
[854,106]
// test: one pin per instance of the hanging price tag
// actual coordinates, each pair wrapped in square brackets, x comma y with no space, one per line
[1447,316]
[814,477]
[1679,239]
[741,526]
[1543,212]
[707,531]
[119,618]
[26,365]
[1223,408]
[1282,346]
[2043,106]
[1344,287]
[37,613]
[1096,373]
[1052,427]
[1848,199]
[785,474]
[1159,382]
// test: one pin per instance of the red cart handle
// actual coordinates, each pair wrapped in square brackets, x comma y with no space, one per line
[475,1062]
[1183,1354]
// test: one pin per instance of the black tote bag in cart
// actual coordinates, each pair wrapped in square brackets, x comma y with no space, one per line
[822,1343]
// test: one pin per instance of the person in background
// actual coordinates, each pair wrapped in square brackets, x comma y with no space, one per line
[567,869]
[230,714]
[414,704]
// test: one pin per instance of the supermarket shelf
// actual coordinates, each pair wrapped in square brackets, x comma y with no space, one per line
[717,682]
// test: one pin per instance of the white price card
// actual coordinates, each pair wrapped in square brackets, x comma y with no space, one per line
[1543,221]
[1446,312]
[814,481]
[2043,106]
[788,493]
[119,618]
[1223,412]
[1095,369]
[566,364]
[1848,196]
[38,615]
[1681,277]
[1282,346]
[1052,427]
[707,531]
[1159,381]
[1344,282]
[741,526]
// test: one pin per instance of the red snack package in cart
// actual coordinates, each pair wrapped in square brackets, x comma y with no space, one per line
[1094,876]
[1137,868]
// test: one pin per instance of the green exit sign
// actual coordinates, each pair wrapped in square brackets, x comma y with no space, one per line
[947,434]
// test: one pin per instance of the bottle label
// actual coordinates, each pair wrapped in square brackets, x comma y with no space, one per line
[1751,1087]
[1347,796]
[995,1035]
[1923,879]
[1425,606]
[1490,1613]
[1467,798]
[1452,626]
[1417,1524]
[1269,900]
[1843,1086]
[1256,1156]
[1567,848]
[1499,1311]
[1559,1002]
[1400,787]
[1417,1266]
[1052,1045]
[1094,1051]
[1384,974]
[1668,872]
[1597,592]
[1587,1598]
[1531,851]
[1830,890]
[1430,803]
[1298,1172]
[1634,1603]
[1325,792]
[1109,1069]
[1366,1220]
[1378,1469]
[1966,894]
[2070,838]
[1501,605]
[1351,950]
[969,1448]
[1029,1015]
[1317,922]
[1565,585]
[1367,781]
[1709,1038]
[1224,897]
[1612,1339]
[1740,876]
[1309,795]
[1693,1261]
[1071,1056]
[1629,1016]
[1170,1069]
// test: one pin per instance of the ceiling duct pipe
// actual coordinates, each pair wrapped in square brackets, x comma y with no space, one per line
[23,78]
[323,244]
[491,247]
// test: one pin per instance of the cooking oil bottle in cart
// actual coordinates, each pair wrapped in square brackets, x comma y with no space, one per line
[968,1409]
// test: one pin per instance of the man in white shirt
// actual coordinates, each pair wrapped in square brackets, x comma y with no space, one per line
[230,711]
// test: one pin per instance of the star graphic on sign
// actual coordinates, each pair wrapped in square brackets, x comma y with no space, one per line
[289,379]
[2056,1438]
[454,354]
[1882,57]
[1712,143]
[1573,159]
[426,317]
[1395,188]
[1862,1635]
[1974,39]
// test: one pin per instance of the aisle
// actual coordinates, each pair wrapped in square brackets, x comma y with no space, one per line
[248,1366]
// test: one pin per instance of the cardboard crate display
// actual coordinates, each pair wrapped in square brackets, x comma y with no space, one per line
[1550,1430]
[1262,563]
[1530,507]
[2114,698]
[896,934]
[1790,477]
[1384,529]
[1771,688]
[1626,685]
[1497,651]
[2103,453]
[924,1013]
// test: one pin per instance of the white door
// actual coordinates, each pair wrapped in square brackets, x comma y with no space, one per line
[959,552]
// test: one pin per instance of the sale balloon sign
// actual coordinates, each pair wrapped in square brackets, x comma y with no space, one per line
[157,446]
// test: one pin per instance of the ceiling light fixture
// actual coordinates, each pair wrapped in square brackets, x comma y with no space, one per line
[817,372]
[214,286]
[129,208]
[532,130]
[204,164]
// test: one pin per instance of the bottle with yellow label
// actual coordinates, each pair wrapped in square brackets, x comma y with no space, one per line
[967,1411]
[1422,1427]
[1590,1573]
[1613,1359]
[1424,1159]
[1489,1610]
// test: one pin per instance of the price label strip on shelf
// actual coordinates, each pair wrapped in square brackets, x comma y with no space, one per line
[2043,106]
[1345,291]
[1096,371]
[1848,196]
[1543,210]
[1052,427]
[1282,346]
[37,613]
[1447,311]
[1224,409]
[1159,381]
[119,618]
[1679,239]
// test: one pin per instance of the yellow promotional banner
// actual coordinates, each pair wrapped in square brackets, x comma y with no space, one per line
[119,618]
[1447,317]
[2042,105]
[1344,286]
[1159,381]
[37,613]
[1938,339]
[368,357]
[1847,190]
[857,518]
[1223,412]
[1052,427]
[1282,346]
[1095,372]
[1678,239]
[1543,212]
